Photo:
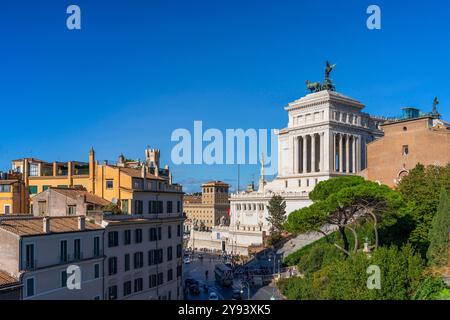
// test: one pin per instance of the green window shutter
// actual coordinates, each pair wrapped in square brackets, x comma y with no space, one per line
[33,189]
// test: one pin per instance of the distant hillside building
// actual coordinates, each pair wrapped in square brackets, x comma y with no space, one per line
[209,209]
[415,138]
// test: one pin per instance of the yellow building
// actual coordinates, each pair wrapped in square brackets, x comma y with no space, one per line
[211,208]
[136,187]
[12,195]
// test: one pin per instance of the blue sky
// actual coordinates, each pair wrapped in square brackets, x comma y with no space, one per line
[137,70]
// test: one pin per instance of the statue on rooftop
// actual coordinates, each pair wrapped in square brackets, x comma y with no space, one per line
[328,83]
[435,104]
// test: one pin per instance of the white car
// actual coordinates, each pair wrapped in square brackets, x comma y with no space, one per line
[213,296]
[187,260]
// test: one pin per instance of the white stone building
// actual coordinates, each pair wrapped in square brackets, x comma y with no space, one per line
[326,137]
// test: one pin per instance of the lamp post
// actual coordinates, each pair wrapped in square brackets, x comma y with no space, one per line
[243,285]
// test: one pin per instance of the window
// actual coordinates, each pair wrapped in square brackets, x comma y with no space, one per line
[138,260]
[152,281]
[96,246]
[405,150]
[169,275]
[63,279]
[152,234]
[160,278]
[77,249]
[127,262]
[112,293]
[179,271]
[138,284]
[5,188]
[138,235]
[113,239]
[178,206]
[96,271]
[126,288]
[151,257]
[138,207]
[169,253]
[169,232]
[63,251]
[7,209]
[127,237]
[30,287]
[109,184]
[112,266]
[71,210]
[34,170]
[179,230]
[155,207]
[169,206]
[29,257]
[97,298]
[179,250]
[33,189]
[159,233]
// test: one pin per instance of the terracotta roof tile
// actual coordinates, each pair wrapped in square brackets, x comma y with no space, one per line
[6,279]
[74,194]
[136,173]
[32,226]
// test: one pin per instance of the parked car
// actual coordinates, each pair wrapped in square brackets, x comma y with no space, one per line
[236,295]
[213,296]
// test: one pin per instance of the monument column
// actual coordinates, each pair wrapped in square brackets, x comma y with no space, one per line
[341,152]
[322,150]
[358,154]
[347,154]
[313,152]
[295,155]
[305,162]
[354,154]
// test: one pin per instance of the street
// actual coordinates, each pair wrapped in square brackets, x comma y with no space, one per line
[197,268]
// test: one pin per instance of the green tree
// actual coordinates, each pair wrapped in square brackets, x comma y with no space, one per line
[422,188]
[437,253]
[345,203]
[277,213]
[346,279]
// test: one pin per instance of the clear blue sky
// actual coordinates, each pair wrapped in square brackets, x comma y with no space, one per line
[140,69]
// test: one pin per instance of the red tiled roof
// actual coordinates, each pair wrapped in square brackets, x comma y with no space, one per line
[75,193]
[33,226]
[7,280]
[136,173]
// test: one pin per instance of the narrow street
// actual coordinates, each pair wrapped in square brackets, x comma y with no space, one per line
[197,269]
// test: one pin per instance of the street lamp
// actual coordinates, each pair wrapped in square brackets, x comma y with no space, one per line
[243,285]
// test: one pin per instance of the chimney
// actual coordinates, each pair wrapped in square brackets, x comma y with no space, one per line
[105,162]
[46,224]
[81,223]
